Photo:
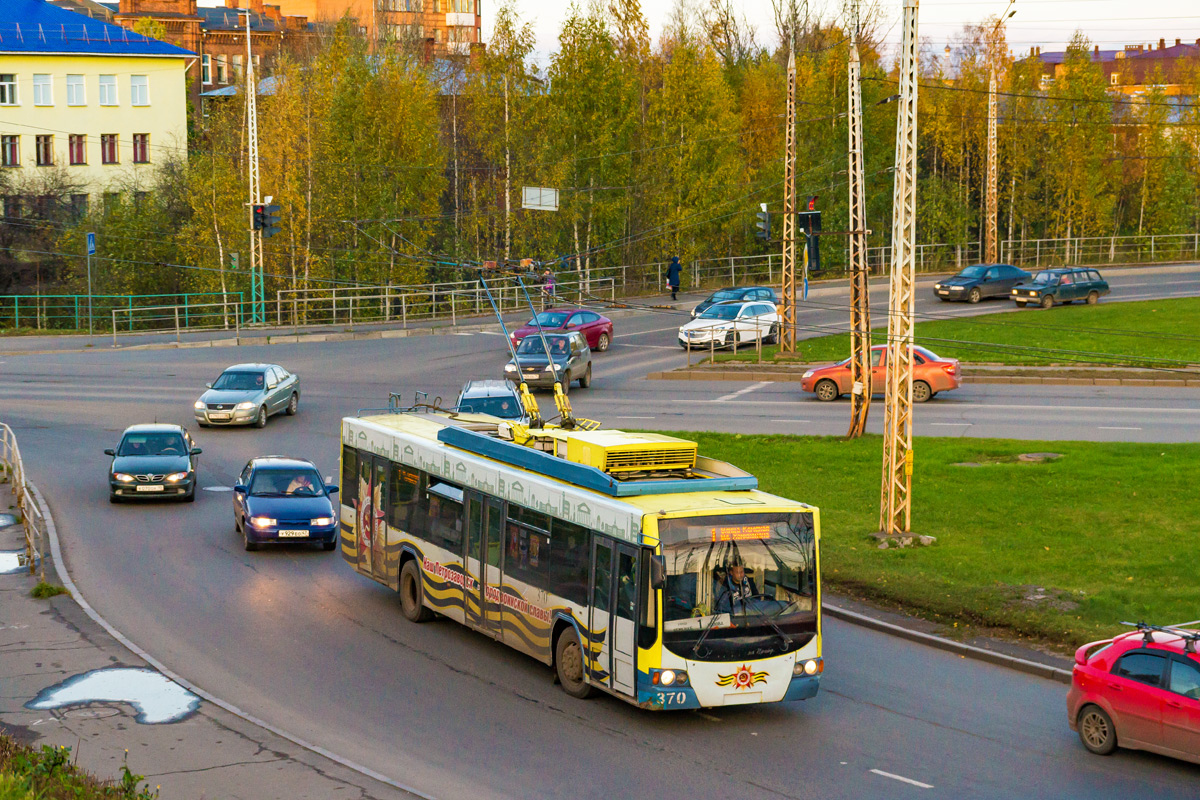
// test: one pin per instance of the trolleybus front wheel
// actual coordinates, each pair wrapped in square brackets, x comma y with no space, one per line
[411,590]
[568,664]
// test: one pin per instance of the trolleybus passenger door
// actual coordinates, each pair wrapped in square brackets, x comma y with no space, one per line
[365,514]
[379,503]
[493,545]
[473,585]
[599,650]
[624,627]
[614,611]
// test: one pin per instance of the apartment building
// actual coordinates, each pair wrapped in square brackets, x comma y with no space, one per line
[445,27]
[84,104]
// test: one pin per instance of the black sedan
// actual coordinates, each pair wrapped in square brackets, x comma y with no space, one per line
[153,461]
[736,294]
[980,281]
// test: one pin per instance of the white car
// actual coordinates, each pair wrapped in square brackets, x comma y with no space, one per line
[723,324]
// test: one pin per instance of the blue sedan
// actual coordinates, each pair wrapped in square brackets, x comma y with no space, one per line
[283,500]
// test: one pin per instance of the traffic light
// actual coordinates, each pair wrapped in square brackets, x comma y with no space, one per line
[763,224]
[233,260]
[810,222]
[266,219]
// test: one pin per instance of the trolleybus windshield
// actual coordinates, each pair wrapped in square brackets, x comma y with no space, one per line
[739,586]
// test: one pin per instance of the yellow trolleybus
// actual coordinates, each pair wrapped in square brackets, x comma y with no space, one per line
[628,562]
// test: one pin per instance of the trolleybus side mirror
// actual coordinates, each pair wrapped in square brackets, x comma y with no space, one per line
[658,572]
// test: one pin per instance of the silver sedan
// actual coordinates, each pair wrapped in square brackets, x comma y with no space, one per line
[247,394]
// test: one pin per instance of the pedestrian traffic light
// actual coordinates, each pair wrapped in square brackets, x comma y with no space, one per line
[233,260]
[266,219]
[763,224]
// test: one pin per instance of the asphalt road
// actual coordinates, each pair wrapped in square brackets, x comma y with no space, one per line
[295,637]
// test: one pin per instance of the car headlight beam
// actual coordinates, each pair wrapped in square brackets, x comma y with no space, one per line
[262,522]
[322,521]
[176,477]
[199,405]
[122,477]
[244,406]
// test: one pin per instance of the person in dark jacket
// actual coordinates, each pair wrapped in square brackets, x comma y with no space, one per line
[673,273]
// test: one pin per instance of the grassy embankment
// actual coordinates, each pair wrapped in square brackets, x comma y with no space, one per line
[1058,551]
[48,774]
[1141,333]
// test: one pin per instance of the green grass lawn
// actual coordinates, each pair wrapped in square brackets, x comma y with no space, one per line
[1108,532]
[1138,333]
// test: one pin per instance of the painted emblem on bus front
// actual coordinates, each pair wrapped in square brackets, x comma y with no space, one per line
[743,678]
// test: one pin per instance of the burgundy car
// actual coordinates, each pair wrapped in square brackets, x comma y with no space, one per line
[596,329]
[1140,690]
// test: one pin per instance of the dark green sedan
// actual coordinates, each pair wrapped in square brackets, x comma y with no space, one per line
[153,462]
[1065,285]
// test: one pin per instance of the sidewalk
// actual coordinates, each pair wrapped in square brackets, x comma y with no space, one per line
[203,751]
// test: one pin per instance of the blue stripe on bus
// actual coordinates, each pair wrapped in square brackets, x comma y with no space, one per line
[582,475]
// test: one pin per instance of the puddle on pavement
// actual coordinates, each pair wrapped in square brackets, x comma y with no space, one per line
[154,697]
[7,520]
[12,561]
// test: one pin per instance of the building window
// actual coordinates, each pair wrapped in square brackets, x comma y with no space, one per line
[12,207]
[437,6]
[111,201]
[108,90]
[206,69]
[43,90]
[77,145]
[1113,78]
[141,148]
[45,149]
[8,89]
[139,90]
[10,151]
[222,70]
[108,148]
[237,67]
[79,205]
[76,91]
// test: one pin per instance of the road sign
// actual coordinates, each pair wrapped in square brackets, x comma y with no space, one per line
[91,244]
[539,198]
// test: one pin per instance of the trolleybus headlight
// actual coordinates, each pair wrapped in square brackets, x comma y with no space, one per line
[813,666]
[667,677]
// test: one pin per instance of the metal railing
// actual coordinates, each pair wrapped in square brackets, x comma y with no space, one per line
[424,302]
[70,311]
[1091,251]
[178,319]
[13,470]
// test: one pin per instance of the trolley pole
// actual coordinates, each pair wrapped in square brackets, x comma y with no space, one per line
[895,512]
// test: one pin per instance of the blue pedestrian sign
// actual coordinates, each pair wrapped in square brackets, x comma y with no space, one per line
[91,244]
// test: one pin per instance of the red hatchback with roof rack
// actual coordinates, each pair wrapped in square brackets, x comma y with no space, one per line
[1139,690]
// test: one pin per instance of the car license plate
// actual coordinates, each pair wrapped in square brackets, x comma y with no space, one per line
[943,291]
[149,488]
[290,534]
[218,416]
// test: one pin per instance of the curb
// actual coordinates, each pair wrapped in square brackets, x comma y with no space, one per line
[958,648]
[61,568]
[795,377]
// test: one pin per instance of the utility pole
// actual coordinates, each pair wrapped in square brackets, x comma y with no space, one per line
[507,177]
[257,299]
[895,506]
[990,213]
[860,301]
[787,338]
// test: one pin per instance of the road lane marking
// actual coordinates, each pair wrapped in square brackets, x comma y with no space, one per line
[1115,428]
[789,420]
[619,416]
[753,388]
[643,333]
[954,424]
[903,779]
[492,333]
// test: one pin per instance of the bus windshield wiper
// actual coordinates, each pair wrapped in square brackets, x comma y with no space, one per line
[711,622]
[787,640]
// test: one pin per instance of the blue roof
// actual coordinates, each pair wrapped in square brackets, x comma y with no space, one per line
[35,26]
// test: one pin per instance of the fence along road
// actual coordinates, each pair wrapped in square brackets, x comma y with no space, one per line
[12,471]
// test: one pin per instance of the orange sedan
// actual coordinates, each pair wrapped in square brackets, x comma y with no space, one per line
[931,374]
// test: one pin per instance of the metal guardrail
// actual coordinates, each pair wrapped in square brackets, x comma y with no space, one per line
[70,311]
[13,470]
[164,319]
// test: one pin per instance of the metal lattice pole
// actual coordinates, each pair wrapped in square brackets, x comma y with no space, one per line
[257,300]
[990,222]
[895,512]
[860,304]
[787,339]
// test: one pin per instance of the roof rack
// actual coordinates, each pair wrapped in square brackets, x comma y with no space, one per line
[1189,637]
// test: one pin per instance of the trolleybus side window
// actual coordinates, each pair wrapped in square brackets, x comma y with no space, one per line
[626,585]
[648,624]
[569,561]
[603,577]
[474,526]
[349,487]
[494,529]
[528,554]
[444,514]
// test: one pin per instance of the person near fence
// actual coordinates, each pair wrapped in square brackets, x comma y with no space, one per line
[547,289]
[673,273]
